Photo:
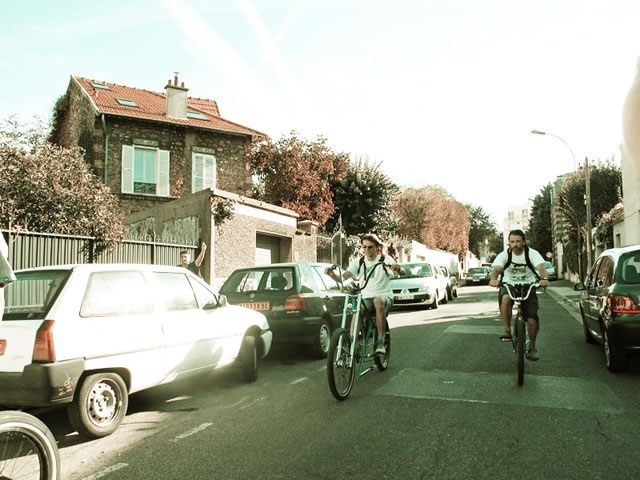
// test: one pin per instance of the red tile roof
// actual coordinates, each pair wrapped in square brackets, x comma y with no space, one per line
[153,106]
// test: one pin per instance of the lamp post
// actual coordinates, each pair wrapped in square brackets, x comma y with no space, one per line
[540,132]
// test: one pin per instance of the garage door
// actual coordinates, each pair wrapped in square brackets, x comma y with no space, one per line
[267,249]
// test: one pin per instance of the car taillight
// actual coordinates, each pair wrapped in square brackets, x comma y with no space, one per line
[294,302]
[622,304]
[43,350]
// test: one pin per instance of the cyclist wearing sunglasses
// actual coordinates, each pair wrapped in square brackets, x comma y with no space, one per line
[377,295]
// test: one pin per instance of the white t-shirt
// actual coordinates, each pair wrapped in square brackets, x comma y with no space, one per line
[518,271]
[378,285]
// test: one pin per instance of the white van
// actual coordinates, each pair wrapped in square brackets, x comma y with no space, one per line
[88,335]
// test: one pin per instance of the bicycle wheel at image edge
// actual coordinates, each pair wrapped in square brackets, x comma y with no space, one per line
[520,346]
[339,374]
[27,448]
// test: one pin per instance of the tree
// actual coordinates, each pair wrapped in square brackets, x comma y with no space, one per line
[605,190]
[540,228]
[431,215]
[482,232]
[295,173]
[363,200]
[47,188]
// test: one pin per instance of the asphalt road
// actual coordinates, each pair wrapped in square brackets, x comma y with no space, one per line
[447,408]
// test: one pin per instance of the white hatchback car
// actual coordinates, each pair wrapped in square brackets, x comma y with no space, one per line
[89,335]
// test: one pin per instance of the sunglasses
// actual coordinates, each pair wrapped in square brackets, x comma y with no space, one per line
[367,247]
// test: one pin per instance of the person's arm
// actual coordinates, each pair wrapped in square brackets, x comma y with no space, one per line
[542,270]
[200,258]
[496,270]
[346,275]
[397,269]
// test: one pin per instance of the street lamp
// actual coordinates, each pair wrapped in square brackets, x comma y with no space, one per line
[587,201]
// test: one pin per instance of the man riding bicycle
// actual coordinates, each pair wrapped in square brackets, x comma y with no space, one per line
[377,295]
[519,264]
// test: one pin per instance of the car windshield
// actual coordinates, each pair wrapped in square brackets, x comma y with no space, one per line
[30,297]
[416,270]
[549,265]
[259,279]
[629,269]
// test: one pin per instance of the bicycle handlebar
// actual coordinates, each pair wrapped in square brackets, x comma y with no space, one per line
[509,286]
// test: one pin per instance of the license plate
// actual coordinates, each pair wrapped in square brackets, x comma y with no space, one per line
[260,306]
[404,297]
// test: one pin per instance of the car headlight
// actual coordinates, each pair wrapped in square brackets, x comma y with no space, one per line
[424,288]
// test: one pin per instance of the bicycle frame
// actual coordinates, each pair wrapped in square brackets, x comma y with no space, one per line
[353,310]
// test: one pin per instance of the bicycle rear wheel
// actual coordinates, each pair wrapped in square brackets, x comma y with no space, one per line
[520,346]
[339,373]
[27,448]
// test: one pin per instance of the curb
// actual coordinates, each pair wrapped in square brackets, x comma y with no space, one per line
[571,306]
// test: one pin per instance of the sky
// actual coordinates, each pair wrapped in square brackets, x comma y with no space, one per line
[435,92]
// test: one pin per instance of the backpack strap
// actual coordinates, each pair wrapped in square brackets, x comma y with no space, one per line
[527,260]
[362,264]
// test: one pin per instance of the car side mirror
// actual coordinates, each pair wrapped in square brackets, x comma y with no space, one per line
[579,287]
[222,300]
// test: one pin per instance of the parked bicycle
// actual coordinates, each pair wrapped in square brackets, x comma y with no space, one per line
[352,356]
[519,323]
[28,450]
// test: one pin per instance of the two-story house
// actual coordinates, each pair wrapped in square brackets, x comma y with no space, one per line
[168,157]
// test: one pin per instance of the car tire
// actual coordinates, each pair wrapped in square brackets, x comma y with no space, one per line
[322,339]
[445,299]
[449,294]
[248,357]
[455,292]
[99,406]
[434,304]
[615,358]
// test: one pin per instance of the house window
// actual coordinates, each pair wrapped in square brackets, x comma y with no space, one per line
[126,102]
[145,171]
[511,216]
[203,171]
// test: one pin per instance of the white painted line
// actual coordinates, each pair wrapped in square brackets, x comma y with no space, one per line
[107,471]
[302,379]
[193,431]
[254,402]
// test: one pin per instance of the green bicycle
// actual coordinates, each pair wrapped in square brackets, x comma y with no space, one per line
[351,357]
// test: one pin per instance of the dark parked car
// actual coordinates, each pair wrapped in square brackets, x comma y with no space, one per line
[478,275]
[301,303]
[610,304]
[452,283]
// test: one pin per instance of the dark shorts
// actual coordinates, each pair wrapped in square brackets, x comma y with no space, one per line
[529,306]
[368,304]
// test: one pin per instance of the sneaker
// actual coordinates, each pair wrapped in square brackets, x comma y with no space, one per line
[380,350]
[533,355]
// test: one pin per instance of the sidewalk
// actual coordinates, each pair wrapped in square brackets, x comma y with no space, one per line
[562,292]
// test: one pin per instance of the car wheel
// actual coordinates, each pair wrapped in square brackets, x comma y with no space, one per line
[322,339]
[434,304]
[449,294]
[455,292]
[99,406]
[444,298]
[248,357]
[587,334]
[616,358]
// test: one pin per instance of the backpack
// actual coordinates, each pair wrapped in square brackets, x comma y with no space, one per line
[365,267]
[527,260]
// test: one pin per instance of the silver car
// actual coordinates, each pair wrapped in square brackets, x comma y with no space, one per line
[422,284]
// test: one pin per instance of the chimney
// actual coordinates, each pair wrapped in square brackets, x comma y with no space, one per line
[176,99]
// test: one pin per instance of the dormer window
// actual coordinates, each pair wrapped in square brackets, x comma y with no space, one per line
[126,102]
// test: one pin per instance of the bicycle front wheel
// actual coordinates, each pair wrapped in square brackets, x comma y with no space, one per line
[27,448]
[340,371]
[520,346]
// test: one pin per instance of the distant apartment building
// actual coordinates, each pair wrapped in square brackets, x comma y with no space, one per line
[517,218]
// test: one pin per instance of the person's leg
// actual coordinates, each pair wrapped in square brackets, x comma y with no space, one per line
[380,305]
[530,311]
[506,310]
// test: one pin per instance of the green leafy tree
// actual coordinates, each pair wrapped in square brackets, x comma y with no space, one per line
[434,217]
[539,231]
[363,199]
[297,174]
[47,188]
[482,232]
[605,192]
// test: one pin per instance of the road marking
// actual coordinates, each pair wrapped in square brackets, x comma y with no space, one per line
[107,471]
[302,379]
[568,393]
[476,329]
[193,431]
[254,402]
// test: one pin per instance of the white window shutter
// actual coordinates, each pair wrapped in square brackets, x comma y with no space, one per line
[126,185]
[210,172]
[196,173]
[162,189]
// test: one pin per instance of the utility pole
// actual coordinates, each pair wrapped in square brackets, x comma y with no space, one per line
[588,202]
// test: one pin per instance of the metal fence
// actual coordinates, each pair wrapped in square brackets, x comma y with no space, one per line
[31,249]
[332,249]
